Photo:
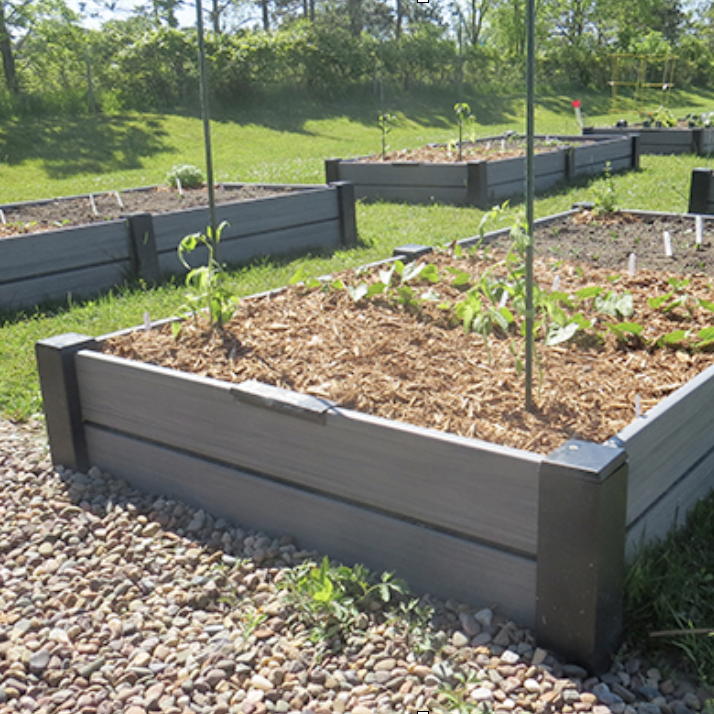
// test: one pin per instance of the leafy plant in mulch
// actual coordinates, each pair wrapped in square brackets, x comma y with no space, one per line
[492,302]
[208,284]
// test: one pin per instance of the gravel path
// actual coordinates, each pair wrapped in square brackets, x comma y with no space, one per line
[110,601]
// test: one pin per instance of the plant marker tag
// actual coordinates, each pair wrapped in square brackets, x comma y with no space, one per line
[2,217]
[667,244]
[503,144]
[632,267]
[638,407]
[119,201]
[147,321]
[504,299]
[93,204]
[556,283]
[179,186]
[699,226]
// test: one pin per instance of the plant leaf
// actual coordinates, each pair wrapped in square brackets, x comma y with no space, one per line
[557,334]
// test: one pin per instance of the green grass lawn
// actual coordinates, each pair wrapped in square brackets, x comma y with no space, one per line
[286,139]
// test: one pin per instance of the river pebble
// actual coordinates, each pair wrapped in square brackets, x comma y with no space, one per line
[118,602]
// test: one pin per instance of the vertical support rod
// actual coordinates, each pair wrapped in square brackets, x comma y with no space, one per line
[206,118]
[530,186]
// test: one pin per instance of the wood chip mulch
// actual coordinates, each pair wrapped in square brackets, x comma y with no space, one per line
[419,366]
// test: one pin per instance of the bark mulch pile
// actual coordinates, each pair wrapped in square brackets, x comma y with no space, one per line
[483,150]
[417,365]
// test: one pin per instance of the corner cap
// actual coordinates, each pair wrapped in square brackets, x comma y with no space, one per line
[593,461]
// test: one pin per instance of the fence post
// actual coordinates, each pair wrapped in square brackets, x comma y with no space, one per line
[477,184]
[348,219]
[582,502]
[699,191]
[60,397]
[142,246]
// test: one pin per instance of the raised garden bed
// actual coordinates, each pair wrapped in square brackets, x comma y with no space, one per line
[484,182]
[663,140]
[80,246]
[542,533]
[701,192]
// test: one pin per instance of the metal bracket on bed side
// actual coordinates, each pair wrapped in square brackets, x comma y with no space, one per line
[284,401]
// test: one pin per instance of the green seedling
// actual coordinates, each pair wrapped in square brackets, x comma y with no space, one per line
[386,122]
[463,115]
[208,285]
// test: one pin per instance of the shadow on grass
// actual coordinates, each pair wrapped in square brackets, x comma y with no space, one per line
[69,146]
[291,110]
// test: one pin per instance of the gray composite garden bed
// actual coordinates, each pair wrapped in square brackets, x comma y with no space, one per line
[86,260]
[701,192]
[483,183]
[663,140]
[544,538]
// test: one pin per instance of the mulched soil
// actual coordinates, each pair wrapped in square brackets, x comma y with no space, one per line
[68,212]
[418,366]
[484,150]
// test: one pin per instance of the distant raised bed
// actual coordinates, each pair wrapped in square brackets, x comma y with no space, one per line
[543,535]
[663,140]
[83,260]
[484,183]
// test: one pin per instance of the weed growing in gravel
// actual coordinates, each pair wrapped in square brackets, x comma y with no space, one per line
[333,600]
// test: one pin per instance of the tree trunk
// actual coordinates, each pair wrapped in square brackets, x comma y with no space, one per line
[355,11]
[400,17]
[216,17]
[8,58]
[266,15]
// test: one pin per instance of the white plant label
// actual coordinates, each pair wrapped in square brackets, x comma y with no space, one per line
[2,217]
[667,244]
[93,205]
[632,267]
[556,283]
[147,321]
[638,407]
[504,299]
[179,186]
[119,201]
[699,228]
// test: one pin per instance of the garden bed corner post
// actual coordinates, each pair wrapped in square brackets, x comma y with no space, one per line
[348,218]
[582,501]
[60,396]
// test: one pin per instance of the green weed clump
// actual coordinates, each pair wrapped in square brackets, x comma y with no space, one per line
[669,609]
[185,176]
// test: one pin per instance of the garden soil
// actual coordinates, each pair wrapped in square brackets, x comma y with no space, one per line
[418,366]
[68,212]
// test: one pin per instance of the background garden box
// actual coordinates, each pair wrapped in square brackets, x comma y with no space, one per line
[701,192]
[483,183]
[664,140]
[85,260]
[544,538]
